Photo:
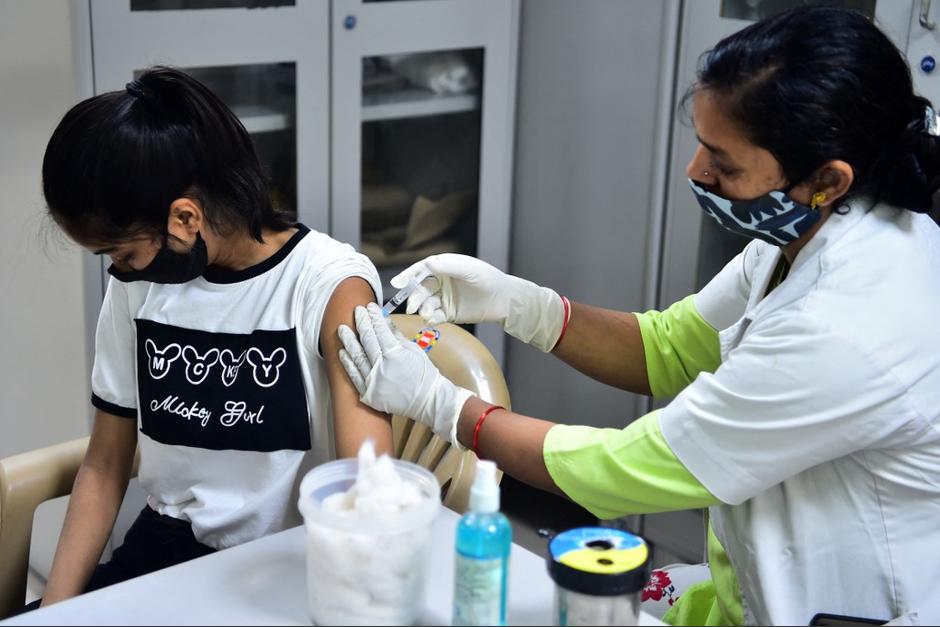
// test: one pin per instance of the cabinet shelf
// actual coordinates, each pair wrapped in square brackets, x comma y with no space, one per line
[260,119]
[412,103]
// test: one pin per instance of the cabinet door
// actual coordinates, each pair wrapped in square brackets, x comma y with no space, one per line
[267,59]
[695,248]
[422,103]
[923,49]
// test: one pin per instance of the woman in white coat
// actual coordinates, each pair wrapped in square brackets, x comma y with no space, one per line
[806,374]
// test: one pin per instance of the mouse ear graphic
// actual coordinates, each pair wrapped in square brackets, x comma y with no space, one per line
[190,356]
[151,348]
[226,357]
[172,351]
[254,356]
[279,357]
[211,356]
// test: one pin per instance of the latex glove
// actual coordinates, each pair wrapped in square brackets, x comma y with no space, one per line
[466,290]
[392,374]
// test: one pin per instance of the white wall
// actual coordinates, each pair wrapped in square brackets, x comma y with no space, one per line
[43,368]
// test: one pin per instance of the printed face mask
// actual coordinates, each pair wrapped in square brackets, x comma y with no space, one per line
[169,266]
[774,217]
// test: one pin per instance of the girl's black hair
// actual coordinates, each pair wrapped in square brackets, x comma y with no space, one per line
[116,162]
[819,83]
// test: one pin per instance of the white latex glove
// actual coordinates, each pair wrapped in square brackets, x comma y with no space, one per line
[466,290]
[392,374]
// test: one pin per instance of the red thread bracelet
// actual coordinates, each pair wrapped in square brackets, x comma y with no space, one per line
[476,429]
[564,326]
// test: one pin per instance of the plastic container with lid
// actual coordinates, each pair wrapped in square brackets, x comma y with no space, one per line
[599,573]
[366,570]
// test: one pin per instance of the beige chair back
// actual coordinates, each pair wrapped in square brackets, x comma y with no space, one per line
[26,481]
[463,359]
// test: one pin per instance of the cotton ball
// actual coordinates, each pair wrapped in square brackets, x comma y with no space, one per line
[366,455]
[409,496]
[337,502]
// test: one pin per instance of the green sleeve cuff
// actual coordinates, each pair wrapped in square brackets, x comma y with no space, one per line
[615,473]
[678,344]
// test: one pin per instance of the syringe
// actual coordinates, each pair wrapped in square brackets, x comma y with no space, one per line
[404,293]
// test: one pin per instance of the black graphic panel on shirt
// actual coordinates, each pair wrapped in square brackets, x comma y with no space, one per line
[221,391]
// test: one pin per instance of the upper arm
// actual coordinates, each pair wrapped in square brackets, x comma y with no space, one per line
[678,344]
[112,445]
[353,420]
[113,377]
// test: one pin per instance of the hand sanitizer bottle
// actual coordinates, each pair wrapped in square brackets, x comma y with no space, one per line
[484,538]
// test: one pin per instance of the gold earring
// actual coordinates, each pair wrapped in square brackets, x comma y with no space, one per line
[818,199]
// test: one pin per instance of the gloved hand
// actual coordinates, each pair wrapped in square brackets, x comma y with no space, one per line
[392,374]
[464,289]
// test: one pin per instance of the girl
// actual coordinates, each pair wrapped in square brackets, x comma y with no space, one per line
[216,348]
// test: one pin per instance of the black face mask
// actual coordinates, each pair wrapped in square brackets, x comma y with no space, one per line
[169,266]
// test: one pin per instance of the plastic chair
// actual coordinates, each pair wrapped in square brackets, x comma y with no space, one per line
[29,479]
[463,359]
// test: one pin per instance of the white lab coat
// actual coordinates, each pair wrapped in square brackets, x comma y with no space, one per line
[819,429]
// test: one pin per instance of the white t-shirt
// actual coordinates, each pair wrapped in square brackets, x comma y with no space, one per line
[225,377]
[819,429]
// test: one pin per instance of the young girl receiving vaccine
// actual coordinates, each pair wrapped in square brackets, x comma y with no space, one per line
[216,348]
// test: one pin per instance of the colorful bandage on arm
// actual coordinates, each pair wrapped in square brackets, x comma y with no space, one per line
[614,473]
[678,344]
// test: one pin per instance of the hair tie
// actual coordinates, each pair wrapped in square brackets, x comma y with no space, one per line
[137,89]
[931,122]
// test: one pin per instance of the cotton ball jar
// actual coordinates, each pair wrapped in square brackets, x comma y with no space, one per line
[368,525]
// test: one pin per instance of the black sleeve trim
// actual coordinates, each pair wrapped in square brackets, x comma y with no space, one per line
[111,408]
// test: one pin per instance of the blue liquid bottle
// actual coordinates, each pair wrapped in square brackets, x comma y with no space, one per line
[484,538]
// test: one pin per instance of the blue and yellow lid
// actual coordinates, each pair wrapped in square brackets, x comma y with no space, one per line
[599,561]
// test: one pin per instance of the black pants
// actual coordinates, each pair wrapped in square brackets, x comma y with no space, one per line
[153,542]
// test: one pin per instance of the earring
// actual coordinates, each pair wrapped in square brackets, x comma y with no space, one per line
[705,172]
[818,199]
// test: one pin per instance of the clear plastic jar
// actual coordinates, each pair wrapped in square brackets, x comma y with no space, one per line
[366,570]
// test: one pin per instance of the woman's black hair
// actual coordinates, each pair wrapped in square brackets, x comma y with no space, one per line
[820,83]
[117,161]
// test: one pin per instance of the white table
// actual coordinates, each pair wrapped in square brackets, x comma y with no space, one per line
[264,583]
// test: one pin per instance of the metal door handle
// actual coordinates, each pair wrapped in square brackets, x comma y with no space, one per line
[925,20]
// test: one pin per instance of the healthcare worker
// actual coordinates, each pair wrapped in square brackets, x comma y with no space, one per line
[216,347]
[806,374]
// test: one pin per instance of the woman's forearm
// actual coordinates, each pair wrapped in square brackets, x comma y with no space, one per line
[607,346]
[93,508]
[511,440]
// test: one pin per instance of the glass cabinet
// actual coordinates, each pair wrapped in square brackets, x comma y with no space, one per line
[268,60]
[386,124]
[422,131]
[420,172]
[759,9]
[263,96]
